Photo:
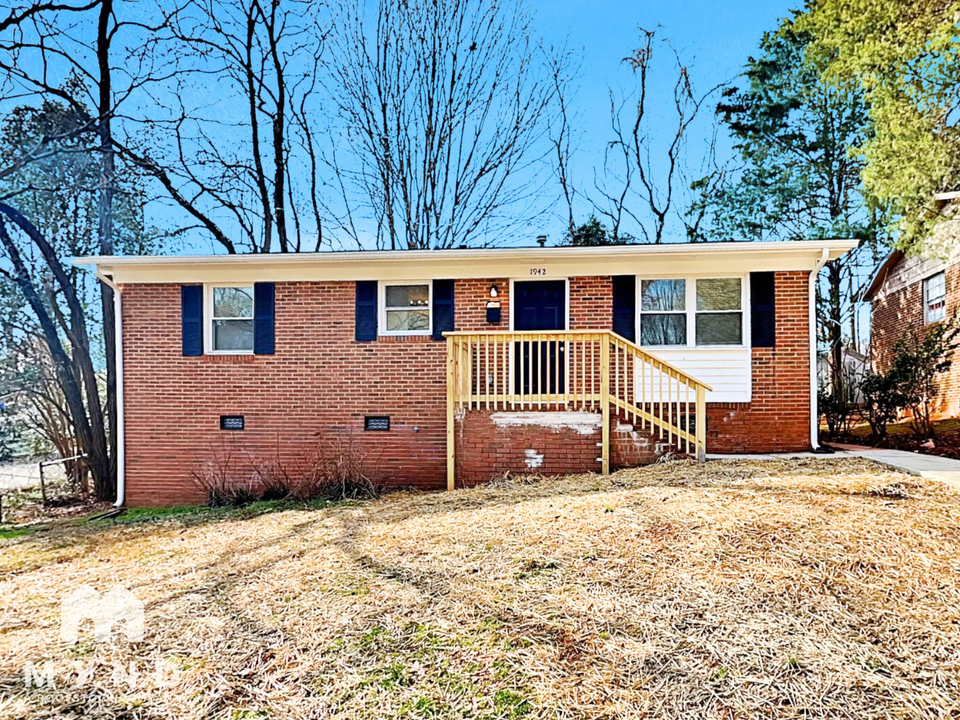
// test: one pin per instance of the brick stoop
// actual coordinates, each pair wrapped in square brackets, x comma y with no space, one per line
[632,447]
[490,444]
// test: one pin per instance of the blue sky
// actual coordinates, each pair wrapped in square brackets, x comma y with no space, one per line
[716,36]
[721,34]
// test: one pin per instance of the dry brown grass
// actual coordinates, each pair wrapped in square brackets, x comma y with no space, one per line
[802,588]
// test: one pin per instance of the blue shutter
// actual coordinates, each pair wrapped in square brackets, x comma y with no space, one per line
[366,320]
[442,308]
[763,311]
[264,295]
[625,306]
[191,319]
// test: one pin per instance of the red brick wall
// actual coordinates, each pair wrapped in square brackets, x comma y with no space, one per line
[321,383]
[778,417]
[897,313]
[486,449]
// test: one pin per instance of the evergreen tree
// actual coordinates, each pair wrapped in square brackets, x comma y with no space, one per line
[799,179]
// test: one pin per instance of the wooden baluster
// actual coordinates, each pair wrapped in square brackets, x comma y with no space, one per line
[493,378]
[508,377]
[677,412]
[605,403]
[572,380]
[486,372]
[616,371]
[453,347]
[523,372]
[660,402]
[642,395]
[669,406]
[468,370]
[538,365]
[557,386]
[593,372]
[701,420]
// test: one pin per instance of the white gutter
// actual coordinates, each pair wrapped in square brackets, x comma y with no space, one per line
[121,432]
[812,292]
[466,254]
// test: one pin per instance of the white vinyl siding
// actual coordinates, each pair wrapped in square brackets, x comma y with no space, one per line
[726,370]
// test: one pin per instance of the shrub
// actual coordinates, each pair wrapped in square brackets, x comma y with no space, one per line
[919,359]
[276,478]
[338,471]
[221,480]
[882,401]
[836,408]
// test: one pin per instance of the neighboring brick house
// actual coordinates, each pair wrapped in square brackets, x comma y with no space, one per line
[273,354]
[908,294]
[911,292]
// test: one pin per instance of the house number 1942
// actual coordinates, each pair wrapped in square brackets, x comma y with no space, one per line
[538,271]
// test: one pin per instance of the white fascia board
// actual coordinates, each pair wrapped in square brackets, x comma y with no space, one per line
[646,260]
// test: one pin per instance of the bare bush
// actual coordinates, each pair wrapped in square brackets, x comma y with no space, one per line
[339,471]
[222,481]
[336,470]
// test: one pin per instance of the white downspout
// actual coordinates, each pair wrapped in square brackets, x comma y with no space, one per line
[121,433]
[814,408]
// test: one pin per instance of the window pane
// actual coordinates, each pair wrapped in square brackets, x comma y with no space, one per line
[934,290]
[402,296]
[233,334]
[401,320]
[719,328]
[718,294]
[662,295]
[663,329]
[233,302]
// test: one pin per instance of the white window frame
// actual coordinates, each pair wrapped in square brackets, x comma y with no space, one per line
[690,286]
[382,308]
[692,331]
[685,312]
[927,320]
[208,318]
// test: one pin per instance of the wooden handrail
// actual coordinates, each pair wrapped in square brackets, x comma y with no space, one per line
[590,370]
[653,359]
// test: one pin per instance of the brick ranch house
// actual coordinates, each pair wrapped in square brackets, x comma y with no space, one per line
[451,367]
[909,293]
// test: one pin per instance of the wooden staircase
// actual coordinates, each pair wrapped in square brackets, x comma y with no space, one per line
[571,370]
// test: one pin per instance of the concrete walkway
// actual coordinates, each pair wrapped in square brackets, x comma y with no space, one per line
[932,467]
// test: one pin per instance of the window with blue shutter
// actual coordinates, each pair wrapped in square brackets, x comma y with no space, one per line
[264,296]
[366,311]
[191,319]
[442,308]
[763,312]
[625,306]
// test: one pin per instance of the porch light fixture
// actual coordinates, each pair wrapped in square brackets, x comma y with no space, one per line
[493,291]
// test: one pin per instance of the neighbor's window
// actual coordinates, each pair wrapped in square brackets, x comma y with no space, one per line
[663,315]
[934,298]
[406,309]
[232,319]
[719,311]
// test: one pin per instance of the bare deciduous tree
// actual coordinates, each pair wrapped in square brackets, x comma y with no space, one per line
[41,45]
[639,179]
[239,121]
[445,110]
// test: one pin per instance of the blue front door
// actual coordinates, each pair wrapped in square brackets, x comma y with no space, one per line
[539,367]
